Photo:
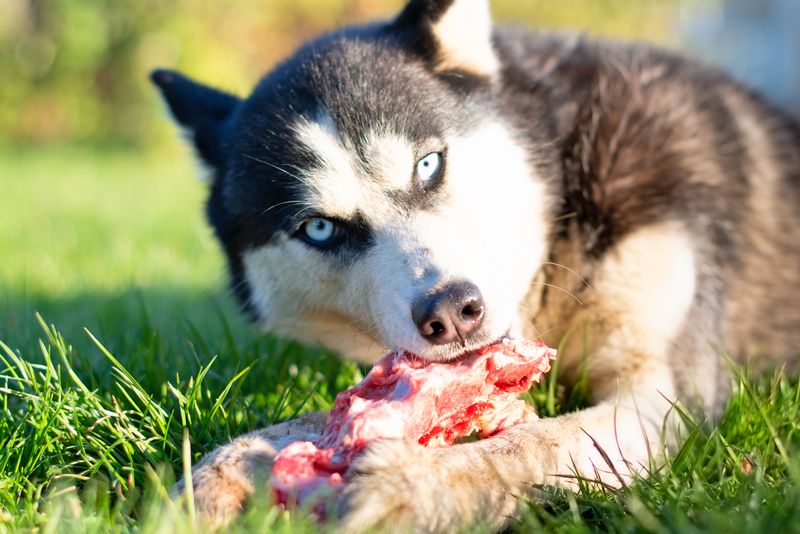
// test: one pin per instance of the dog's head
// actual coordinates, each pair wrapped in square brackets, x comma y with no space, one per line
[369,193]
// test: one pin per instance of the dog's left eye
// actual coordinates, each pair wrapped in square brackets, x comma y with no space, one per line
[319,231]
[429,168]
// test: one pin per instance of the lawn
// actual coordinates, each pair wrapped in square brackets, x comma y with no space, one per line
[122,356]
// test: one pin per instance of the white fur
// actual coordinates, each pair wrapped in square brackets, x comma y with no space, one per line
[490,194]
[649,279]
[296,293]
[464,35]
[641,295]
[390,158]
[338,188]
[364,307]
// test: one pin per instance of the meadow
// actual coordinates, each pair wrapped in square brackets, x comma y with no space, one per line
[123,358]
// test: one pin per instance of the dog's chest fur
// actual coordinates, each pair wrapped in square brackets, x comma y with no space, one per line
[657,145]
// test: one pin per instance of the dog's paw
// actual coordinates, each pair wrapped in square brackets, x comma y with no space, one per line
[218,498]
[401,486]
[396,485]
[225,480]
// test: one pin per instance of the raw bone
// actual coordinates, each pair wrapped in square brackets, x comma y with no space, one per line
[405,397]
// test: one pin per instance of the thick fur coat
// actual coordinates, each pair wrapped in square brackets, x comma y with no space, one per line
[631,202]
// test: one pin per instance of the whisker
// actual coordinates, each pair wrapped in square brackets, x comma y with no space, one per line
[307,208]
[557,328]
[536,331]
[276,167]
[530,312]
[563,217]
[285,203]
[581,278]
[561,289]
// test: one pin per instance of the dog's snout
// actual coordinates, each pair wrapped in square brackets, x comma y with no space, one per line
[451,314]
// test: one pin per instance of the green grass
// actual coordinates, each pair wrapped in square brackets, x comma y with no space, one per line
[140,360]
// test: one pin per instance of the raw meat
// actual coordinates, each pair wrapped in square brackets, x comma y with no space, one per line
[404,397]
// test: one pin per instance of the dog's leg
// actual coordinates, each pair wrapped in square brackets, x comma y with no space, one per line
[440,490]
[642,295]
[225,479]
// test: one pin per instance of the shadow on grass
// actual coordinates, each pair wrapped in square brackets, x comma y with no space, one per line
[163,334]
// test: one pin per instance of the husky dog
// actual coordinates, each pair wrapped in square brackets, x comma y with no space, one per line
[433,183]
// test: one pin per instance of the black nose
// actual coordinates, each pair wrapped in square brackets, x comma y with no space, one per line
[451,314]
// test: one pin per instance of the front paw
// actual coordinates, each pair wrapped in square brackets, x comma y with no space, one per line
[401,486]
[218,499]
[225,480]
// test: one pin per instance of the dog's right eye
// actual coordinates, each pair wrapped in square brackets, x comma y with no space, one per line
[319,231]
[429,168]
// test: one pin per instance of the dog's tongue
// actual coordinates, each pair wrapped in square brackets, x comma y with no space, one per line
[406,397]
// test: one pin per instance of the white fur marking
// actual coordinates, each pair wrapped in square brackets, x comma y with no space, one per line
[649,280]
[492,204]
[464,34]
[341,186]
[297,293]
[336,187]
[390,158]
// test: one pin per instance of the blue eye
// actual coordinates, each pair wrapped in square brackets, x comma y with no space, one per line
[319,231]
[429,167]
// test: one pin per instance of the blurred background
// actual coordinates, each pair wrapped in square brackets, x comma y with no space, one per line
[97,191]
[74,71]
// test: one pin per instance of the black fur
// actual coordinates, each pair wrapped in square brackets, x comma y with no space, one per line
[202,110]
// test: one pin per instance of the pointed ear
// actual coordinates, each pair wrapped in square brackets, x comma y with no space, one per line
[458,34]
[201,111]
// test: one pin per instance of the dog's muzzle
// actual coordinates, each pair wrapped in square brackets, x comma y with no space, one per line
[452,313]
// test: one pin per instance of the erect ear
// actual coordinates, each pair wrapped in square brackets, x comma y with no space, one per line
[458,33]
[200,110]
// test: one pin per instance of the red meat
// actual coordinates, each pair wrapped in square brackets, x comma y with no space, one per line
[404,397]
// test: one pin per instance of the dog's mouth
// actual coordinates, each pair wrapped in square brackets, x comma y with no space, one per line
[452,356]
[504,338]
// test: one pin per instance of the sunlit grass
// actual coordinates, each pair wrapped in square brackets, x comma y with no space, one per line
[147,347]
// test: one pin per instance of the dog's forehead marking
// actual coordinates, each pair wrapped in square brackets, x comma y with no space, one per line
[342,183]
[389,157]
[334,187]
